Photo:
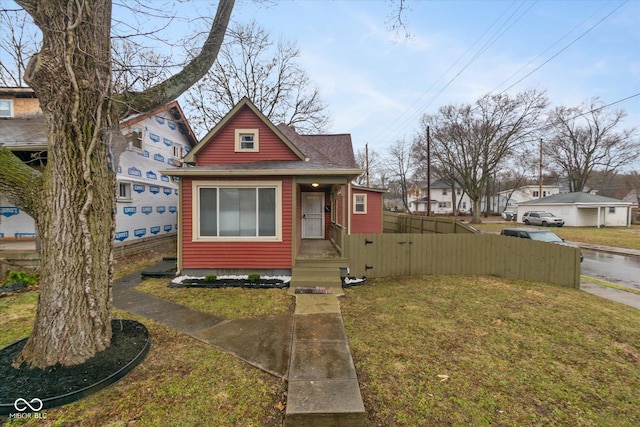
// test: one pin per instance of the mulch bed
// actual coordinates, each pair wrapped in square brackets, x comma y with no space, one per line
[59,385]
[231,283]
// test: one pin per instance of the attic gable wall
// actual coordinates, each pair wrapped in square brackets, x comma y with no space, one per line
[221,148]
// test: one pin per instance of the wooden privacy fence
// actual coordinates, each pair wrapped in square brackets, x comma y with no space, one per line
[384,255]
[403,223]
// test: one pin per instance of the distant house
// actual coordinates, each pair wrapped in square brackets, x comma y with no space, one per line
[443,197]
[147,200]
[582,209]
[255,191]
[526,193]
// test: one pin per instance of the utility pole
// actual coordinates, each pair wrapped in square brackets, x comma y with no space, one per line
[366,155]
[428,173]
[540,174]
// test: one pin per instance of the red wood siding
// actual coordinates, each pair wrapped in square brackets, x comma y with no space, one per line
[241,255]
[221,149]
[371,222]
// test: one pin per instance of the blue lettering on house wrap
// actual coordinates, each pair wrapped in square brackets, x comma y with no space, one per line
[167,142]
[164,178]
[146,210]
[151,175]
[166,190]
[119,169]
[134,172]
[170,161]
[139,232]
[154,137]
[154,189]
[8,211]
[145,154]
[158,157]
[175,190]
[161,209]
[129,210]
[139,188]
[154,230]
[122,236]
[168,228]
[160,120]
[23,235]
[173,209]
[171,125]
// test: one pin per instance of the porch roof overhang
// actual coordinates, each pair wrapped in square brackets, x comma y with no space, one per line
[276,168]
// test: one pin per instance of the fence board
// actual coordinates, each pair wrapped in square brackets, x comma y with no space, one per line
[481,254]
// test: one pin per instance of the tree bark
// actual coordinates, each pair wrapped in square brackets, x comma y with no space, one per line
[73,202]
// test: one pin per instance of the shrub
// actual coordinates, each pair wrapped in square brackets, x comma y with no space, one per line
[210,278]
[254,277]
[22,277]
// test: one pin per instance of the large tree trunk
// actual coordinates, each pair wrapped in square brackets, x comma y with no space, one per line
[73,202]
[72,79]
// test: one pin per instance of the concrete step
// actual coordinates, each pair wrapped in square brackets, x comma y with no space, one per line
[323,262]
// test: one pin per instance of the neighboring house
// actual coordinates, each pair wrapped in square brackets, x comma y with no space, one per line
[147,200]
[442,200]
[525,194]
[582,209]
[256,190]
[633,197]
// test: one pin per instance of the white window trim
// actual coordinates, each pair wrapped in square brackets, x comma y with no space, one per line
[355,196]
[124,199]
[195,213]
[11,108]
[131,146]
[256,140]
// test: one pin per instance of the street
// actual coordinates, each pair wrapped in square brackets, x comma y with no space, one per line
[619,269]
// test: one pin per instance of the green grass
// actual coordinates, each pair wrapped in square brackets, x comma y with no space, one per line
[622,237]
[231,303]
[182,381]
[447,350]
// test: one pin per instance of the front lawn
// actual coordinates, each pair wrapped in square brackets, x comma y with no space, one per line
[448,350]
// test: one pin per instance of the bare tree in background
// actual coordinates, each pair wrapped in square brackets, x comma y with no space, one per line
[19,40]
[473,141]
[250,64]
[73,200]
[587,138]
[400,165]
[376,168]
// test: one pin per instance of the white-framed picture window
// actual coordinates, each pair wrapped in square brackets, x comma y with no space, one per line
[124,191]
[237,211]
[360,203]
[247,140]
[6,107]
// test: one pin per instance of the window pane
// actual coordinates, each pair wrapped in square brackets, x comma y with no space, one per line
[267,211]
[237,212]
[208,212]
[246,142]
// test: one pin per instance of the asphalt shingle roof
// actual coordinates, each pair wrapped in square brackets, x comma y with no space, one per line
[577,197]
[328,149]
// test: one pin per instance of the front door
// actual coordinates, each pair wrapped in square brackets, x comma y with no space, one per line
[312,215]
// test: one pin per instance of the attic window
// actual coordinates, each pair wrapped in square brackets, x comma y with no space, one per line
[247,140]
[6,108]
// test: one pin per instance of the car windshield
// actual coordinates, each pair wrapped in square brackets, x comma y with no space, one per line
[545,236]
[546,214]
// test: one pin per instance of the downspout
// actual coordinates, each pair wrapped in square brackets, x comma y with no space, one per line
[349,207]
[180,224]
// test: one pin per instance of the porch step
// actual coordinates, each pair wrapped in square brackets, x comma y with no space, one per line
[323,276]
[323,262]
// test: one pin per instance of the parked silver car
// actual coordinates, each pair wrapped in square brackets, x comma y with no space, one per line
[542,218]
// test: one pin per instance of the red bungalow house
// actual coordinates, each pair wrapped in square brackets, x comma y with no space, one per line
[255,192]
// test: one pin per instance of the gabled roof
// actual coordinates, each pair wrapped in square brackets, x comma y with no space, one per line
[174,109]
[575,198]
[244,102]
[334,149]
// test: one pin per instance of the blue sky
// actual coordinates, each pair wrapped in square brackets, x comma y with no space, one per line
[377,84]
